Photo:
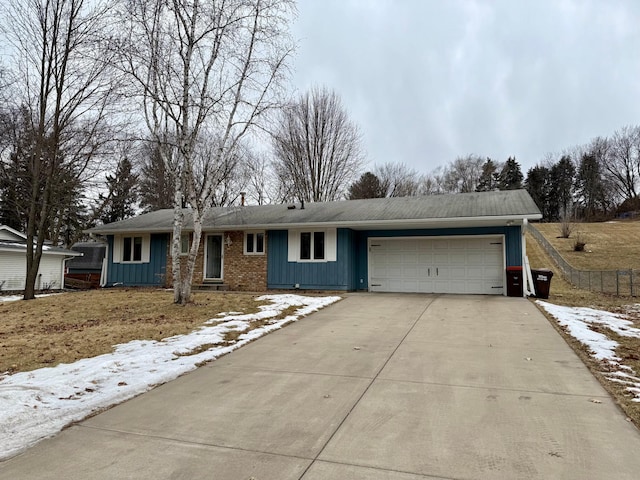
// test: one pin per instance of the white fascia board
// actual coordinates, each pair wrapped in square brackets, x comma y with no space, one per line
[13,231]
[23,251]
[460,222]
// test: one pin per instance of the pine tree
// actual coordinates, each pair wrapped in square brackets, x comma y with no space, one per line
[538,184]
[123,193]
[156,186]
[562,180]
[488,181]
[590,187]
[367,186]
[511,175]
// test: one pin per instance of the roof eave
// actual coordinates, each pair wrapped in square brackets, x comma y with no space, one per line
[495,220]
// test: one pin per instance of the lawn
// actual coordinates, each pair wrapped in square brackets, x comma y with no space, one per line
[611,245]
[628,350]
[107,346]
[65,328]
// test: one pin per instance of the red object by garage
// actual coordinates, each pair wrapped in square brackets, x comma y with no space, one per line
[514,282]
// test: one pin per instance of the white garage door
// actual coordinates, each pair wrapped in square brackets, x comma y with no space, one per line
[437,265]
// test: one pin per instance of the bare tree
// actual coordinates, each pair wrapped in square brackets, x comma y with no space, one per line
[259,178]
[317,148]
[202,70]
[61,82]
[620,157]
[398,180]
[463,174]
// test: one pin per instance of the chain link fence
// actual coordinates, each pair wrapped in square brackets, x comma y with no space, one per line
[615,282]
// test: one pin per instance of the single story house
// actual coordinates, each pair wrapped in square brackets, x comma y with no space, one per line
[13,262]
[461,243]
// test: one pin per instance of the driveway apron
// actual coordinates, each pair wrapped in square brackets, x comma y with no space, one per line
[377,386]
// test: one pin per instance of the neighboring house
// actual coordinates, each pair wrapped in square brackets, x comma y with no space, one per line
[87,268]
[459,243]
[13,262]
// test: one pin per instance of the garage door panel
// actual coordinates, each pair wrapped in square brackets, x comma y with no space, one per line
[464,265]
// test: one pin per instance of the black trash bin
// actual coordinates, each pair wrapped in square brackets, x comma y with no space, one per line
[514,281]
[542,282]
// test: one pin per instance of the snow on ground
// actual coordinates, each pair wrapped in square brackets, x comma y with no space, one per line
[578,322]
[38,404]
[13,298]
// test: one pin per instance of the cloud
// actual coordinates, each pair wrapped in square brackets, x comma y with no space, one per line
[428,81]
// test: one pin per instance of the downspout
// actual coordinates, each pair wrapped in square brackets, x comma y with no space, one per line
[528,289]
[64,268]
[105,267]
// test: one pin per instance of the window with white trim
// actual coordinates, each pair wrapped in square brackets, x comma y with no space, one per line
[131,249]
[318,245]
[311,245]
[254,243]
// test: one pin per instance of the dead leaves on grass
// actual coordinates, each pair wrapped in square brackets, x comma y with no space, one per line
[65,328]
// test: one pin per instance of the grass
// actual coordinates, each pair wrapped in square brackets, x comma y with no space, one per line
[563,293]
[609,245]
[65,328]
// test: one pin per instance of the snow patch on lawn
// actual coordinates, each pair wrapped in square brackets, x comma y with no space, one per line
[579,322]
[38,404]
[13,298]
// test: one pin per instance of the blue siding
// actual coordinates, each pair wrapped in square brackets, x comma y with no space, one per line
[141,274]
[350,272]
[339,275]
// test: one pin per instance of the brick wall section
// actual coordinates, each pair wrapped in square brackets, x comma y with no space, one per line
[241,272]
[198,273]
[244,272]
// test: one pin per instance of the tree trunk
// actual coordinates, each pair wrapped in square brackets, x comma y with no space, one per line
[187,280]
[175,246]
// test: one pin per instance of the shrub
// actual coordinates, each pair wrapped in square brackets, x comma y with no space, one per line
[566,227]
[579,243]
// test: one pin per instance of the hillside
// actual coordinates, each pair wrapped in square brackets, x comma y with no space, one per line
[610,245]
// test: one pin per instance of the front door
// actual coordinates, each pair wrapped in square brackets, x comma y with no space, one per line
[213,258]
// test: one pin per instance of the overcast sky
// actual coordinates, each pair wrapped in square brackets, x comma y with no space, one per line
[428,81]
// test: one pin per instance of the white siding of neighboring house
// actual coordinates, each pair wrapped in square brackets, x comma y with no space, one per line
[13,267]
[6,235]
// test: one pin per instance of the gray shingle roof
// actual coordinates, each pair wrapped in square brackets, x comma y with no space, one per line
[516,204]
[46,249]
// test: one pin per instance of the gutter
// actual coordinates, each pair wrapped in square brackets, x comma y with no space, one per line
[358,224]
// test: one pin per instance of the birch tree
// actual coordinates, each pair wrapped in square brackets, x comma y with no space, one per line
[61,83]
[202,70]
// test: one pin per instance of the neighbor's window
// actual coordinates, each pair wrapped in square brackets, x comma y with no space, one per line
[254,243]
[132,249]
[185,244]
[312,246]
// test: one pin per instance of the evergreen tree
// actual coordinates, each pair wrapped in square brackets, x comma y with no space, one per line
[156,185]
[121,200]
[511,175]
[538,184]
[367,186]
[562,181]
[590,187]
[488,181]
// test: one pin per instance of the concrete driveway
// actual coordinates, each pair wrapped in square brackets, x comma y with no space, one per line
[395,387]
